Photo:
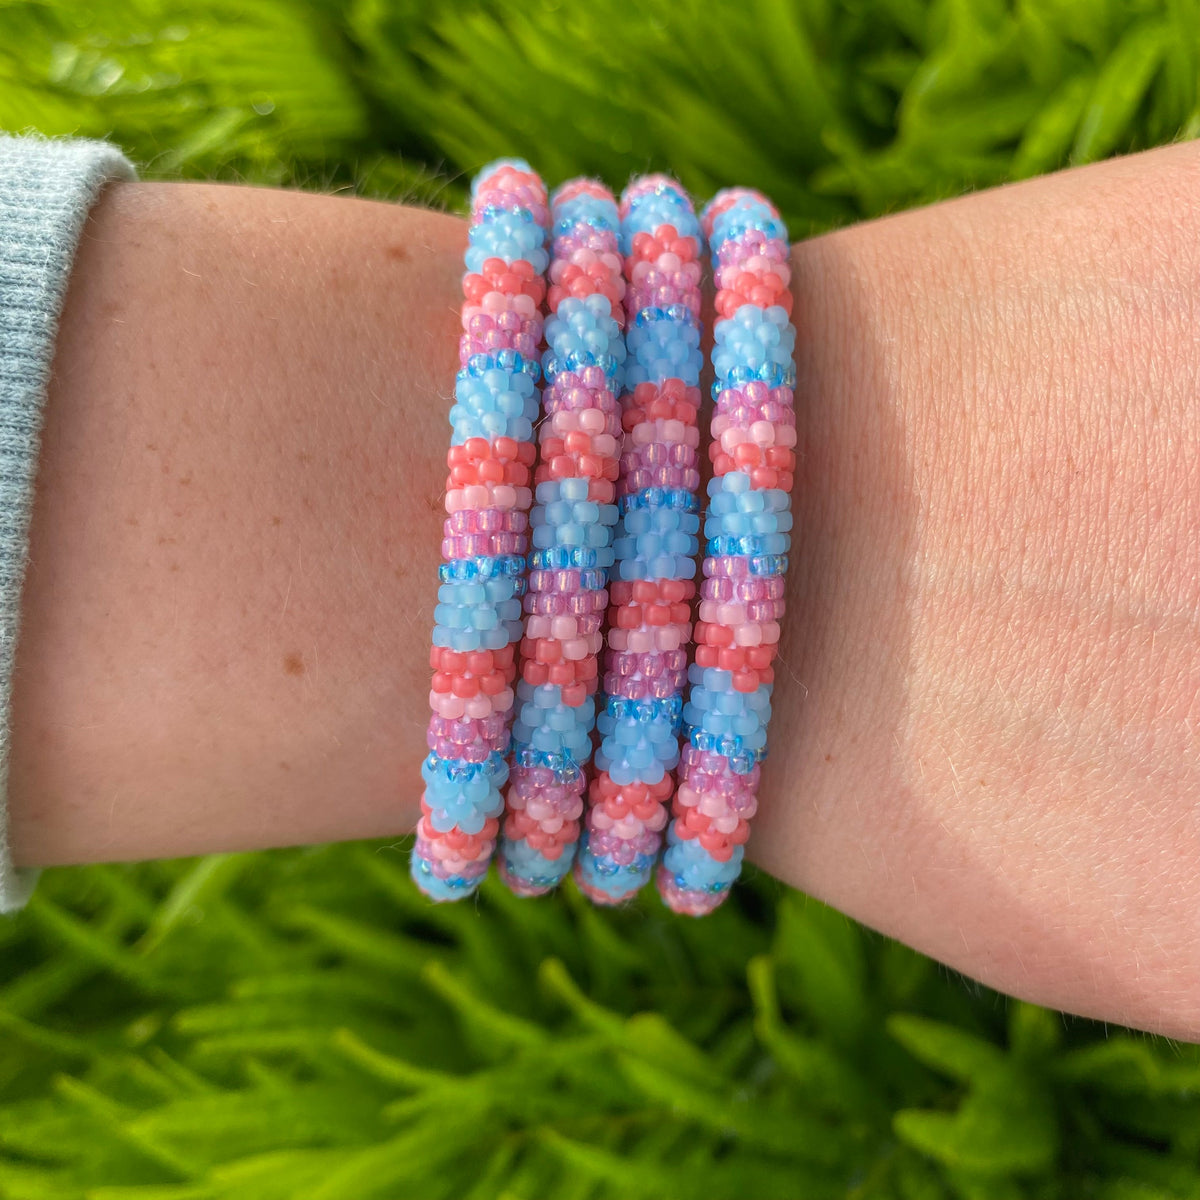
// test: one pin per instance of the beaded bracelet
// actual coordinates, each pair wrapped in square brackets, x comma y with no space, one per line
[572,521]
[656,543]
[747,529]
[478,615]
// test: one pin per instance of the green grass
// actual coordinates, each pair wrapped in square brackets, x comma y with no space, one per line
[300,1023]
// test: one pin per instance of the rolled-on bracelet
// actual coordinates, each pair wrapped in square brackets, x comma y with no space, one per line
[482,576]
[572,522]
[747,530]
[656,543]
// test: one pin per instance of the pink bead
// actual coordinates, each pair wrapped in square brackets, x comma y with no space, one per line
[482,496]
[726,565]
[490,545]
[737,251]
[446,863]
[445,704]
[552,811]
[733,614]
[669,637]
[485,520]
[575,649]
[498,304]
[748,589]
[692,904]
[583,238]
[636,687]
[492,338]
[578,604]
[748,635]
[451,707]
[444,748]
[567,394]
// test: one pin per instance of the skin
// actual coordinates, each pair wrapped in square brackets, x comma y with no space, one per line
[984,740]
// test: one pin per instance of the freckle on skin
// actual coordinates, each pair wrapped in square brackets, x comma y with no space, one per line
[293,664]
[276,520]
[396,253]
[185,480]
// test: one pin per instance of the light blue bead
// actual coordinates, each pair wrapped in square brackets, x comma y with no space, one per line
[509,235]
[695,869]
[665,206]
[585,209]
[456,887]
[732,482]
[745,213]
[482,567]
[613,880]
[523,862]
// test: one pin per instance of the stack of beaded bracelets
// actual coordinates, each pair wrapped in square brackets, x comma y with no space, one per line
[753,433]
[656,544]
[640,452]
[478,615]
[572,522]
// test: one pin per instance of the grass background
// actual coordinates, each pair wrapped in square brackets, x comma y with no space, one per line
[300,1023]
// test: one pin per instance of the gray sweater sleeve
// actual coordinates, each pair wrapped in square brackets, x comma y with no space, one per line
[47,187]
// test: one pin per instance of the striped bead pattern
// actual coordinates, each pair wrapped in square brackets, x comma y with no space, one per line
[572,525]
[747,529]
[655,546]
[485,534]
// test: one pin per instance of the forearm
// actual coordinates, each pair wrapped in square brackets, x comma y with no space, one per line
[227,612]
[985,713]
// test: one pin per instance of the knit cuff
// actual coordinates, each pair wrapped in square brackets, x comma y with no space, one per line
[47,187]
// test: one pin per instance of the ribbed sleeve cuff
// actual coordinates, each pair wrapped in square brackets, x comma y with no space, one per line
[47,187]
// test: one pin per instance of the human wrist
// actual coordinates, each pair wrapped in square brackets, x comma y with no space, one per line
[840,666]
[993,755]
